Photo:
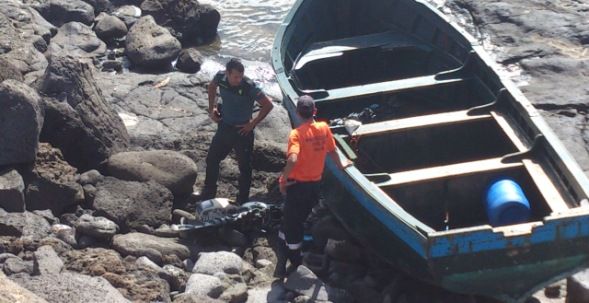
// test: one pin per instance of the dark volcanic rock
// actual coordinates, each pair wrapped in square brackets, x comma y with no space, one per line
[110,27]
[52,183]
[21,120]
[151,46]
[77,40]
[59,12]
[132,204]
[100,5]
[189,21]
[169,168]
[25,224]
[86,128]
[189,61]
[12,186]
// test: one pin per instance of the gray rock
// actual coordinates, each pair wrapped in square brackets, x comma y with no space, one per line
[14,293]
[12,197]
[21,120]
[86,241]
[146,263]
[176,277]
[235,293]
[87,130]
[132,204]
[65,233]
[151,46]
[8,70]
[47,261]
[110,27]
[48,215]
[189,61]
[137,244]
[6,256]
[128,13]
[91,177]
[169,168]
[52,183]
[25,224]
[205,285]
[58,288]
[59,12]
[578,287]
[96,227]
[305,282]
[77,40]
[100,5]
[17,265]
[112,65]
[218,262]
[274,293]
[193,298]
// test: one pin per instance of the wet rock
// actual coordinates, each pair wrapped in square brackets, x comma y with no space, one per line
[169,168]
[91,177]
[14,293]
[77,40]
[17,265]
[97,227]
[189,61]
[137,244]
[84,126]
[47,261]
[25,224]
[59,12]
[216,262]
[21,120]
[12,198]
[110,27]
[58,288]
[128,14]
[189,21]
[132,204]
[205,286]
[52,183]
[151,46]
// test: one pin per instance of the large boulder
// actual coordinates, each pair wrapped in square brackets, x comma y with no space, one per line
[151,46]
[78,40]
[190,21]
[133,204]
[14,293]
[218,262]
[27,225]
[174,170]
[97,227]
[110,27]
[47,261]
[21,120]
[52,183]
[12,198]
[70,287]
[59,12]
[138,245]
[84,127]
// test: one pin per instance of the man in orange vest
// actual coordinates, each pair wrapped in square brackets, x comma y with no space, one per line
[308,146]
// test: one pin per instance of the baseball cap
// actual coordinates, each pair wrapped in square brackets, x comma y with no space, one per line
[305,106]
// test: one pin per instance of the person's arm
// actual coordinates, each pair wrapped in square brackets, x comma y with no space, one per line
[291,160]
[212,91]
[341,164]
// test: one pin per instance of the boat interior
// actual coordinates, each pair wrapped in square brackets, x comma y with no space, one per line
[433,126]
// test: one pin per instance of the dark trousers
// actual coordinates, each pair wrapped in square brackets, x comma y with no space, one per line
[301,197]
[227,138]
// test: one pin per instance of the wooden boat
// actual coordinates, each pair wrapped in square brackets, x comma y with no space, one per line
[440,124]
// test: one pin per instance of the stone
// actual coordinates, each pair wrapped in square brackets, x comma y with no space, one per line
[218,262]
[59,12]
[80,122]
[12,197]
[14,293]
[77,40]
[21,120]
[304,282]
[205,285]
[17,265]
[132,204]
[97,227]
[100,5]
[8,70]
[91,177]
[172,169]
[47,214]
[110,27]
[189,61]
[151,46]
[128,13]
[47,261]
[193,298]
[58,288]
[112,65]
[27,225]
[52,183]
[274,293]
[137,244]
[65,233]
[146,263]
[235,293]
[176,277]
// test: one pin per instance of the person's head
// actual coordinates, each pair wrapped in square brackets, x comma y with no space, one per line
[234,71]
[306,107]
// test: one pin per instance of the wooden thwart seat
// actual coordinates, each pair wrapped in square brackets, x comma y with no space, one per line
[406,124]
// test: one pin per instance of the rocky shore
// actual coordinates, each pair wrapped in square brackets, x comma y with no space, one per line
[104,131]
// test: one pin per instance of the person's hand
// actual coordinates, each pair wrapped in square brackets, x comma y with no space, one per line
[346,163]
[215,115]
[246,128]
